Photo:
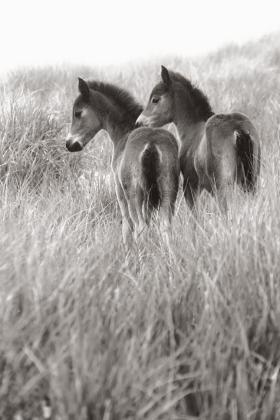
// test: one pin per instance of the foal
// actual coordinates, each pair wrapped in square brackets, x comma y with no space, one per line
[216,150]
[145,160]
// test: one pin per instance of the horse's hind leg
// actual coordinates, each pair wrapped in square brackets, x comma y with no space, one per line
[166,211]
[127,223]
[143,213]
[165,215]
[134,203]
[222,196]
[225,174]
[190,194]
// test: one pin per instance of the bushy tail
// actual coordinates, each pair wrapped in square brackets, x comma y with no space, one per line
[150,161]
[245,160]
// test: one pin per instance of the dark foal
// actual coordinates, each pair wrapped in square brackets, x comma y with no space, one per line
[216,150]
[144,162]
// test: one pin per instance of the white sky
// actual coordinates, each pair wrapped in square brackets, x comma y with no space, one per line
[38,32]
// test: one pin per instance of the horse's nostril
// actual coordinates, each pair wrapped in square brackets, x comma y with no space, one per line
[73,146]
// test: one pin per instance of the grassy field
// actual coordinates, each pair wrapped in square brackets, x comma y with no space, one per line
[87,333]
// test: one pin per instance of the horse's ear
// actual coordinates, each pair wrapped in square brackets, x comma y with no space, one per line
[165,76]
[83,88]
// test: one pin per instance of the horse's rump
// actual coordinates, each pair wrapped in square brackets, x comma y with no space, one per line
[235,149]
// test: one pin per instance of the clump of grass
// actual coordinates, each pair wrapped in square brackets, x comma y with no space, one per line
[32,140]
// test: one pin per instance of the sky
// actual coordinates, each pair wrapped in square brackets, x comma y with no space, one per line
[114,32]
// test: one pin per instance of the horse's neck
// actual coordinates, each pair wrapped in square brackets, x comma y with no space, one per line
[189,133]
[118,136]
[118,130]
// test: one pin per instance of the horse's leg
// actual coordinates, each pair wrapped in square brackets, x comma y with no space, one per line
[166,209]
[190,194]
[224,180]
[218,187]
[127,223]
[165,215]
[222,191]
[223,164]
[133,207]
[143,214]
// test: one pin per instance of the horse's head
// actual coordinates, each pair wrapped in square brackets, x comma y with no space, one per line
[159,110]
[85,120]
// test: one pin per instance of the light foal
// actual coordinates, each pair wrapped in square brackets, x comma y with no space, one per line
[144,162]
[216,150]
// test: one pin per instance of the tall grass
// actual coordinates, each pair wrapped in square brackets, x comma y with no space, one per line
[87,333]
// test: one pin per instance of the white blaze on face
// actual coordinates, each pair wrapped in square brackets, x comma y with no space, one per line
[71,139]
[69,136]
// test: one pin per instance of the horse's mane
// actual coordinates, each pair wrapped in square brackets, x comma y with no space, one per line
[201,109]
[119,96]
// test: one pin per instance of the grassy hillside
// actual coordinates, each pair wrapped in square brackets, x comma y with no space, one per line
[87,333]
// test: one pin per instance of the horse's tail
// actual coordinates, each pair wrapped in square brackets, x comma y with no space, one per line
[150,163]
[248,159]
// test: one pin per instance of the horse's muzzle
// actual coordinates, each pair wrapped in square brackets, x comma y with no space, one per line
[73,146]
[142,121]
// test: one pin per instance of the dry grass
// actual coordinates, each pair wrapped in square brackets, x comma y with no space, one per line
[87,333]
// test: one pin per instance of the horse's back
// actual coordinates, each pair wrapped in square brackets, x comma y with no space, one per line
[143,135]
[223,125]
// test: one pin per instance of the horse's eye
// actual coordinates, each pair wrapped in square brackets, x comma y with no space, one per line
[155,99]
[78,114]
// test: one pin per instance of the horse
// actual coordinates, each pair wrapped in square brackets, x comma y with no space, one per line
[216,150]
[145,160]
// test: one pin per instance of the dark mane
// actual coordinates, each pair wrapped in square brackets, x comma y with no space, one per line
[201,109]
[123,99]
